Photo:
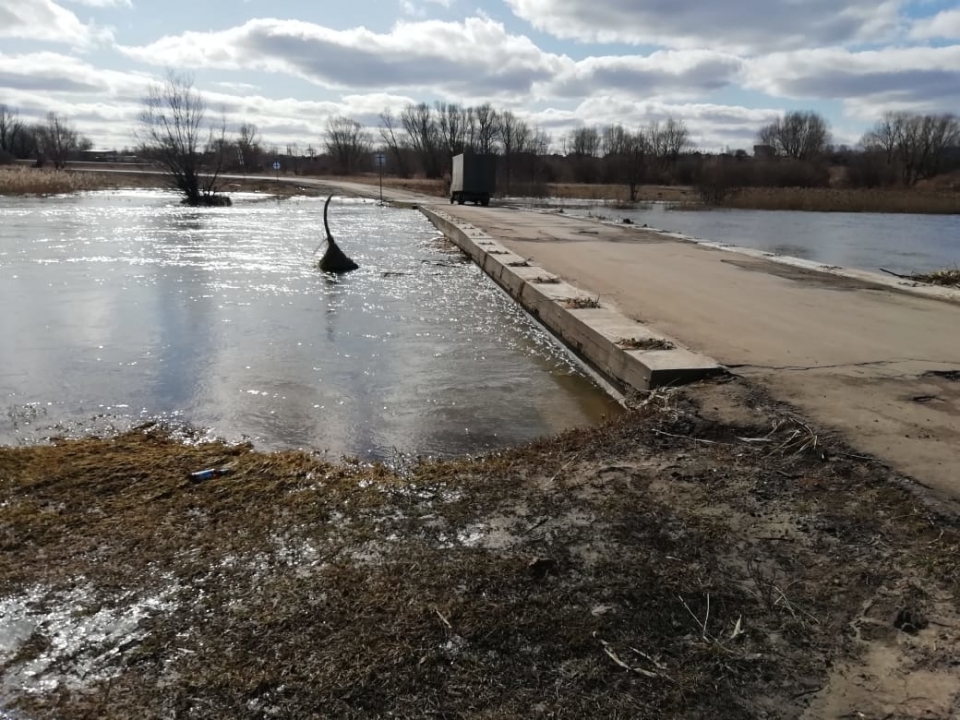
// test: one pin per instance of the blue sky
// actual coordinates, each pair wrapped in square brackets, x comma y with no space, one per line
[725,68]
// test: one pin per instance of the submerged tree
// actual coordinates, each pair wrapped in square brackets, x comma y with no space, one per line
[172,135]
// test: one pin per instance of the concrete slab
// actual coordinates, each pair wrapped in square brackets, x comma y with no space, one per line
[627,354]
[858,353]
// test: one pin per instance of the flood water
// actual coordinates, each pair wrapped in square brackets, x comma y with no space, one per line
[867,241]
[117,308]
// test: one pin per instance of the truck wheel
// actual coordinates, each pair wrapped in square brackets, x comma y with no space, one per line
[452,198]
[461,200]
[485,201]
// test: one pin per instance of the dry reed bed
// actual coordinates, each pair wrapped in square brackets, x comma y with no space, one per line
[33,181]
[845,200]
[666,565]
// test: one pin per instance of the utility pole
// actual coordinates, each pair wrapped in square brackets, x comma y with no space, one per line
[380,159]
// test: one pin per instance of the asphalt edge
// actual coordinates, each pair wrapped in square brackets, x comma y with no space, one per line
[630,355]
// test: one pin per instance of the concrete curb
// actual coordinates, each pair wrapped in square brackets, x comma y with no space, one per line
[608,341]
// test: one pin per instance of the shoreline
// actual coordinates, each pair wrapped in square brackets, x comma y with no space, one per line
[879,201]
[473,585]
[713,552]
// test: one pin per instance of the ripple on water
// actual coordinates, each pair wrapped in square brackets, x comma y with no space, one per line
[130,306]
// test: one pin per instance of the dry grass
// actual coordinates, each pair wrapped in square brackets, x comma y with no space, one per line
[626,571]
[423,186]
[18,180]
[845,200]
[948,278]
[573,577]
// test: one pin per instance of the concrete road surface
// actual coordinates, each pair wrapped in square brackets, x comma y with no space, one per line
[869,361]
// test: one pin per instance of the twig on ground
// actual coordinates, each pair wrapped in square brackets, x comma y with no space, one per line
[443,619]
[701,625]
[639,671]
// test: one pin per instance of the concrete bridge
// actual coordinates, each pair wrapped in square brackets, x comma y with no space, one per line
[874,358]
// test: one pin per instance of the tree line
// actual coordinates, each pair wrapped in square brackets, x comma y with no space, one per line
[793,150]
[55,141]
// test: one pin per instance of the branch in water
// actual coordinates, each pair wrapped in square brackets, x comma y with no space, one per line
[334,260]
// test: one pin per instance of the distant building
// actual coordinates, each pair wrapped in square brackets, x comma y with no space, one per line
[764,151]
[106,156]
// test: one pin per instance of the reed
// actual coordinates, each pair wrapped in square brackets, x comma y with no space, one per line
[845,200]
[33,181]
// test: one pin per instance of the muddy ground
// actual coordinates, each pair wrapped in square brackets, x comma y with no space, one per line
[708,555]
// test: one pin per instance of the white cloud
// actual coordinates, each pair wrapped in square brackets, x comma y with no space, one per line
[944,24]
[712,127]
[744,25]
[103,3]
[475,58]
[476,55]
[664,73]
[106,104]
[868,82]
[46,21]
[478,59]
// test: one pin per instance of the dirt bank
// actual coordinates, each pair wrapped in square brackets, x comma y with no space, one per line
[708,555]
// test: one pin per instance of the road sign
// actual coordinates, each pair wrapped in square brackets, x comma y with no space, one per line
[276,165]
[380,160]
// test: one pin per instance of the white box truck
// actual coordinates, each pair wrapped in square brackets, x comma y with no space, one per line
[474,178]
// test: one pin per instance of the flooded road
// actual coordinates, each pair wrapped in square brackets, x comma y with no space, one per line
[867,241]
[124,307]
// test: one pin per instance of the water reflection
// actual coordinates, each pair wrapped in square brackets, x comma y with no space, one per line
[130,306]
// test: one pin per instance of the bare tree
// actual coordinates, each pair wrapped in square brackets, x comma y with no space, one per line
[921,141]
[396,142]
[295,157]
[585,142]
[625,156]
[799,135]
[61,140]
[615,140]
[421,127]
[171,135]
[665,142]
[883,137]
[915,145]
[10,128]
[540,143]
[637,150]
[248,147]
[488,129]
[347,142]
[452,124]
[514,135]
[583,147]
[25,142]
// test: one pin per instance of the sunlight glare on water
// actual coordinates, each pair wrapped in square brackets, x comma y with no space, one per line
[126,306]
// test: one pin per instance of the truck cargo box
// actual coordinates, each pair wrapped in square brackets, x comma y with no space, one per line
[474,178]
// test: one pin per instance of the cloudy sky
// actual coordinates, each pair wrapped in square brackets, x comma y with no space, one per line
[287,65]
